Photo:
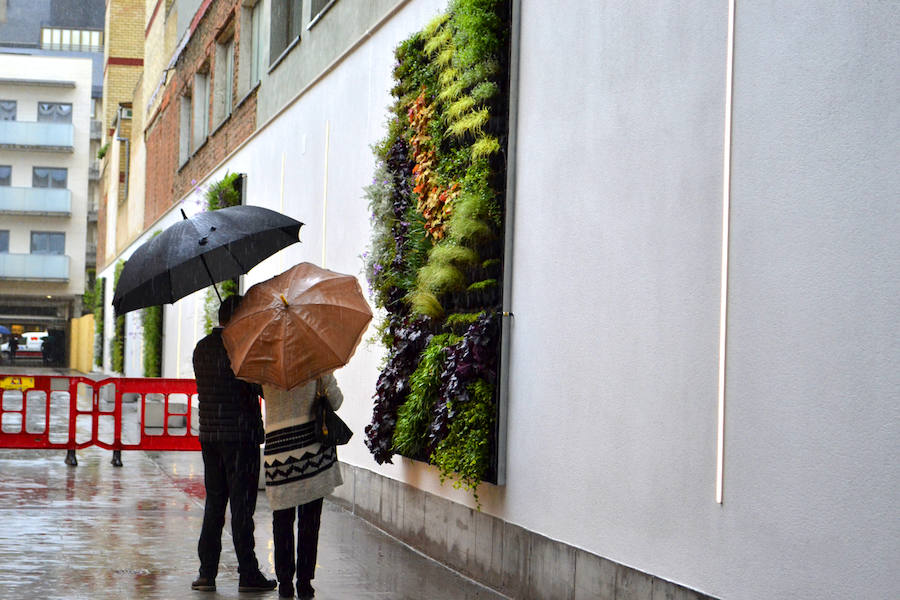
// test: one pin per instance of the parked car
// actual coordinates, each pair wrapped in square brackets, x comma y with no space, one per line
[31,341]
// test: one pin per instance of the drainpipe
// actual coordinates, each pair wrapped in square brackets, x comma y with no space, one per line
[506,321]
[127,160]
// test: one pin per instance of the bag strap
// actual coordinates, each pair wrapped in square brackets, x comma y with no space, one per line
[320,388]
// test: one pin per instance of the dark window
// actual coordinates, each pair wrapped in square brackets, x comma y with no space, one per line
[4,240]
[317,8]
[7,110]
[48,177]
[285,26]
[48,242]
[54,112]
[5,175]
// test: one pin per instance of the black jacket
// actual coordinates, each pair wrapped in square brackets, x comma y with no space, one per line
[229,407]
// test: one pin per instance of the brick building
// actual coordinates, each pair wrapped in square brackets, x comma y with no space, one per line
[206,109]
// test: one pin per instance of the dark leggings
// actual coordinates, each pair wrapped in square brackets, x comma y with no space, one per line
[309,516]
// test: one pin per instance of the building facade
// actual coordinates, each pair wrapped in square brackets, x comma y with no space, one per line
[702,222]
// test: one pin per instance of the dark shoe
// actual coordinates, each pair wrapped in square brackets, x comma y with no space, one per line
[305,591]
[204,584]
[257,582]
[285,589]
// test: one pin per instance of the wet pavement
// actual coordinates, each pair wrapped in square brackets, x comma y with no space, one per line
[96,531]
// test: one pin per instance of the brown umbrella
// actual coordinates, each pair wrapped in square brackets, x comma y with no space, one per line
[296,326]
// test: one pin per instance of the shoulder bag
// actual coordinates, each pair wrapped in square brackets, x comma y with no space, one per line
[330,428]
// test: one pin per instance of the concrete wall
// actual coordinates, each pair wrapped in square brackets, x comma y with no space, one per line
[616,290]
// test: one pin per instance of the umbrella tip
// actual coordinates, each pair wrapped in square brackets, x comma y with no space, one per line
[283,299]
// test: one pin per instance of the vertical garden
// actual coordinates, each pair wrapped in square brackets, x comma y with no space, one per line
[435,262]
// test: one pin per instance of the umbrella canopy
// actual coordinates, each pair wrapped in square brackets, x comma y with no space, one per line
[3,330]
[195,253]
[296,326]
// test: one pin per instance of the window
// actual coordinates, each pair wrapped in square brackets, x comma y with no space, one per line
[184,130]
[7,110]
[49,177]
[250,46]
[78,40]
[54,112]
[201,109]
[285,27]
[48,242]
[4,241]
[5,175]
[317,9]
[224,81]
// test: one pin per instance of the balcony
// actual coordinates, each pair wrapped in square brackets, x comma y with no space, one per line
[94,170]
[90,255]
[52,202]
[34,267]
[45,137]
[96,129]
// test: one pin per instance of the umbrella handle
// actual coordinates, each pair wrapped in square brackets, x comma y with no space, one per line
[205,266]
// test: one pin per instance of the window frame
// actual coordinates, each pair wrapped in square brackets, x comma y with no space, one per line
[288,34]
[15,109]
[40,115]
[223,83]
[185,127]
[315,17]
[51,235]
[200,103]
[50,178]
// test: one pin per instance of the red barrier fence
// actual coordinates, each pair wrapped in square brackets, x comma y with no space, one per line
[120,413]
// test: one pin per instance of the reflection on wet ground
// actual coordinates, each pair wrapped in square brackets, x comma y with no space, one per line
[96,531]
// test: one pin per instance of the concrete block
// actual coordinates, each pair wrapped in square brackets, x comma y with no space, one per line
[551,569]
[367,495]
[666,590]
[436,525]
[515,560]
[632,584]
[413,516]
[595,577]
[486,562]
[343,494]
[460,537]
[392,493]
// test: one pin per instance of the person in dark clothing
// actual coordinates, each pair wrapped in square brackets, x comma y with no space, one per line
[13,347]
[231,431]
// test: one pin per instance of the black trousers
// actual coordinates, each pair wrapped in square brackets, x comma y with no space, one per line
[309,516]
[231,474]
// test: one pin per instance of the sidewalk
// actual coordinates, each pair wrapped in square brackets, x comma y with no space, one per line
[96,531]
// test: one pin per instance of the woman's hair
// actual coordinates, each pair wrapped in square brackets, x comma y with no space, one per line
[227,308]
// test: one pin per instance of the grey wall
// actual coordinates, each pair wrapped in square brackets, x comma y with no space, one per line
[334,33]
[613,360]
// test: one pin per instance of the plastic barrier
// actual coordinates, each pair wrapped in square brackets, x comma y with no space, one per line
[122,413]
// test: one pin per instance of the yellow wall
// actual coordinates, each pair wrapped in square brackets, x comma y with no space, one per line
[81,344]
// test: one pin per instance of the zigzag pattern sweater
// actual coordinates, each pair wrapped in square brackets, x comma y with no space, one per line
[298,469]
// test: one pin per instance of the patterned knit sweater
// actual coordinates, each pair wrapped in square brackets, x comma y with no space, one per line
[298,469]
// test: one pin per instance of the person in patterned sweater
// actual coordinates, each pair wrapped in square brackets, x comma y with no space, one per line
[299,473]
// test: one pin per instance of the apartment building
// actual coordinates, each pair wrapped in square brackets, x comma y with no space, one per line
[50,93]
[44,158]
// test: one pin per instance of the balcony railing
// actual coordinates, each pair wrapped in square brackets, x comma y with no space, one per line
[52,202]
[94,170]
[96,129]
[46,137]
[34,267]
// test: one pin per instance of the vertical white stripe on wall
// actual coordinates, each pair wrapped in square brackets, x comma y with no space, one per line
[723,298]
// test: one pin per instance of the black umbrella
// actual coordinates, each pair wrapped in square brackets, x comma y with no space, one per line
[194,253]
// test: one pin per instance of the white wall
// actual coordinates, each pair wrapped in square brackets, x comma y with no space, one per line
[43,69]
[614,348]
